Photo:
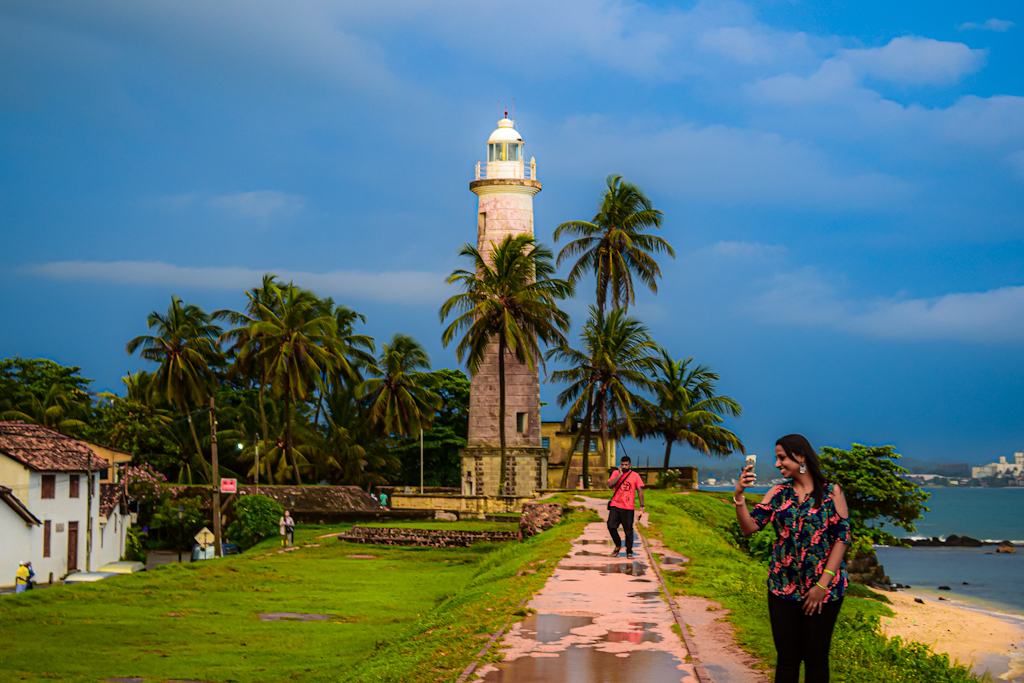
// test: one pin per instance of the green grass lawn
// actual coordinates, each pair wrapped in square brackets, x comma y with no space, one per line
[701,526]
[408,614]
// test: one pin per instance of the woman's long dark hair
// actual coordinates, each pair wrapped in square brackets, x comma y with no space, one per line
[797,444]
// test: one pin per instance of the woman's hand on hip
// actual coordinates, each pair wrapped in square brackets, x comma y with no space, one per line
[814,600]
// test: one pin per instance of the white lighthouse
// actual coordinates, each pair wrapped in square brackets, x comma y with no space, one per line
[505,185]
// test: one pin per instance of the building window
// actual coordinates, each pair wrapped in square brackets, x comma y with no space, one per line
[545,442]
[593,445]
[513,152]
[496,151]
[73,481]
[104,475]
[46,538]
[521,422]
[49,486]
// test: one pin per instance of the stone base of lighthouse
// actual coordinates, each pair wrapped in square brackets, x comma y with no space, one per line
[527,469]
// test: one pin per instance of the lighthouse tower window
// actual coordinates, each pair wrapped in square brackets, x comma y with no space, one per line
[513,152]
[495,152]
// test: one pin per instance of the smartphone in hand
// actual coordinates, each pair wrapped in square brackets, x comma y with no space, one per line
[751,462]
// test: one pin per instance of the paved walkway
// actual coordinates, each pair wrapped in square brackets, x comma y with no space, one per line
[599,620]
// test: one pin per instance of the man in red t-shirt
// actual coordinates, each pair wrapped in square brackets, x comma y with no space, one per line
[626,484]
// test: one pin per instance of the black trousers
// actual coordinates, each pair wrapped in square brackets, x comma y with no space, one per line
[801,638]
[617,516]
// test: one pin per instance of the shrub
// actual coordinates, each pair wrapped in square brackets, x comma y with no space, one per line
[256,517]
[135,545]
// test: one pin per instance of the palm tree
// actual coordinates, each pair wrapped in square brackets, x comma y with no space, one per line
[510,298]
[245,343]
[399,393]
[356,351]
[185,346]
[688,409]
[58,409]
[294,337]
[614,246]
[616,359]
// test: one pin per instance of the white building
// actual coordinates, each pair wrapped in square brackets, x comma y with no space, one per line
[1001,468]
[53,513]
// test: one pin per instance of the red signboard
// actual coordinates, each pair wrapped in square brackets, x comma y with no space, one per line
[229,486]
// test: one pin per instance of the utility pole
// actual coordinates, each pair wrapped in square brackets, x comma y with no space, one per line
[88,515]
[216,479]
[421,461]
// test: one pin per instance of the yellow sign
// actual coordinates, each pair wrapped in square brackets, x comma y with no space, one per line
[204,538]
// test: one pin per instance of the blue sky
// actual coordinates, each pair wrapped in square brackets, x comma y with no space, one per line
[843,182]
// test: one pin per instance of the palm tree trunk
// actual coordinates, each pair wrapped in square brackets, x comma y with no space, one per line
[503,477]
[263,419]
[289,454]
[668,452]
[604,435]
[586,456]
[195,439]
[572,449]
[320,397]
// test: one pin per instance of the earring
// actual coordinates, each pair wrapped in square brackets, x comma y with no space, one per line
[803,468]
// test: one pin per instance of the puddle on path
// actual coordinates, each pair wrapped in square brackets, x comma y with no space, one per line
[631,568]
[579,650]
[587,665]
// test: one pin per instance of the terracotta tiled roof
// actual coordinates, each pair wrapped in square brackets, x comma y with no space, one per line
[110,496]
[45,450]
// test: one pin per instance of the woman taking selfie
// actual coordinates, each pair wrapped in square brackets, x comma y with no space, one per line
[806,575]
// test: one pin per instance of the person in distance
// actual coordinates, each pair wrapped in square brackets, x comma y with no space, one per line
[626,485]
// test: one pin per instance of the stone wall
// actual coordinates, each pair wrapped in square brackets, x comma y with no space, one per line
[431,538]
[464,506]
[528,468]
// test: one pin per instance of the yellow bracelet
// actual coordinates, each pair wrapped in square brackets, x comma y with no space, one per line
[824,588]
[829,571]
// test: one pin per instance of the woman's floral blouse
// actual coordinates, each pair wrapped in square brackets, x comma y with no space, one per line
[804,537]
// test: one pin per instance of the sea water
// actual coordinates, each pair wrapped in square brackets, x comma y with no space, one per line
[975,574]
[983,513]
[992,514]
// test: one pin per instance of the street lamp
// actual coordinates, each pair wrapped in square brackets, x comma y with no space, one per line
[256,445]
[181,515]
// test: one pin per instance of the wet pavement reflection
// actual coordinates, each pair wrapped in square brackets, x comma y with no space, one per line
[597,621]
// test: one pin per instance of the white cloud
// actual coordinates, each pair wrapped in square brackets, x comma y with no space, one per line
[917,61]
[406,287]
[720,164]
[908,60]
[805,299]
[998,25]
[262,204]
[753,45]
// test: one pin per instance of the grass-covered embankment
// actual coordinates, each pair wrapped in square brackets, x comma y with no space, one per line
[702,526]
[408,614]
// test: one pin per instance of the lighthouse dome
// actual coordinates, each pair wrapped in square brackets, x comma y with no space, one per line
[506,132]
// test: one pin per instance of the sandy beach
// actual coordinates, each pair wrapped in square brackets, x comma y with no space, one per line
[985,641]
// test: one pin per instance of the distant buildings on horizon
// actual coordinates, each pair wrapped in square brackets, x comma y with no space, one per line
[1001,469]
